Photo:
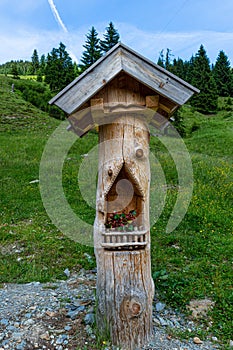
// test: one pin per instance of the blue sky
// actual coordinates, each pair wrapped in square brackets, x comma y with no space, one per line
[146,26]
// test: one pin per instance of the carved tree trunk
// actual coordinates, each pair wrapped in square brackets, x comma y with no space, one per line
[124,285]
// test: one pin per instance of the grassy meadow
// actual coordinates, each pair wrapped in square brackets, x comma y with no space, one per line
[195,261]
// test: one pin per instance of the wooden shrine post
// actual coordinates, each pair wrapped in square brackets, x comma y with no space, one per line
[116,93]
[125,288]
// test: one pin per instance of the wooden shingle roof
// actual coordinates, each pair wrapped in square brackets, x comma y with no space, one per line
[122,59]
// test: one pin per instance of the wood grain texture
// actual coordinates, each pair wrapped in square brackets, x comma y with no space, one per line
[125,288]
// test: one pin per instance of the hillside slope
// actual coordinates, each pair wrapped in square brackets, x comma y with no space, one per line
[16,113]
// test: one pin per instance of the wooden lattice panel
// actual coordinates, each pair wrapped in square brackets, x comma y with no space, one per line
[124,240]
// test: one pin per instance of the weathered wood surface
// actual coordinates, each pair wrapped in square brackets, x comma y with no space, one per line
[124,297]
[125,288]
[121,58]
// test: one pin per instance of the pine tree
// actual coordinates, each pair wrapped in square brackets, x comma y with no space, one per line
[168,64]
[42,64]
[39,76]
[160,61]
[189,69]
[202,78]
[59,71]
[223,75]
[14,71]
[179,68]
[111,38]
[35,62]
[92,50]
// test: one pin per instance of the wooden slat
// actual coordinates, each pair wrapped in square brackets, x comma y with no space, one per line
[116,245]
[152,77]
[131,233]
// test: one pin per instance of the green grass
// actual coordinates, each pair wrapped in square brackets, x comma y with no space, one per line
[194,261]
[45,252]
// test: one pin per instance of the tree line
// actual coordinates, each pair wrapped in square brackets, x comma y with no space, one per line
[212,80]
[57,68]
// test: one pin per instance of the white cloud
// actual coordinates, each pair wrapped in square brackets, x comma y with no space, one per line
[182,44]
[21,43]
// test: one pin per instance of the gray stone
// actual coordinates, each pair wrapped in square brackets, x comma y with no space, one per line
[89,330]
[67,273]
[160,307]
[156,322]
[21,346]
[214,339]
[17,335]
[74,314]
[59,341]
[4,322]
[28,322]
[11,328]
[89,319]
[162,321]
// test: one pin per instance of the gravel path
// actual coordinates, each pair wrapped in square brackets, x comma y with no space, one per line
[59,316]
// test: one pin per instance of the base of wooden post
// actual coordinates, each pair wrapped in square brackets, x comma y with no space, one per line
[125,293]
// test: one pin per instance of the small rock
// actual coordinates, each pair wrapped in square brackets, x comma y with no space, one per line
[51,313]
[74,314]
[197,340]
[160,306]
[162,321]
[72,306]
[89,257]
[156,322]
[29,322]
[17,336]
[4,322]
[89,330]
[214,339]
[231,344]
[89,319]
[21,346]
[34,181]
[45,336]
[67,273]
[60,340]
